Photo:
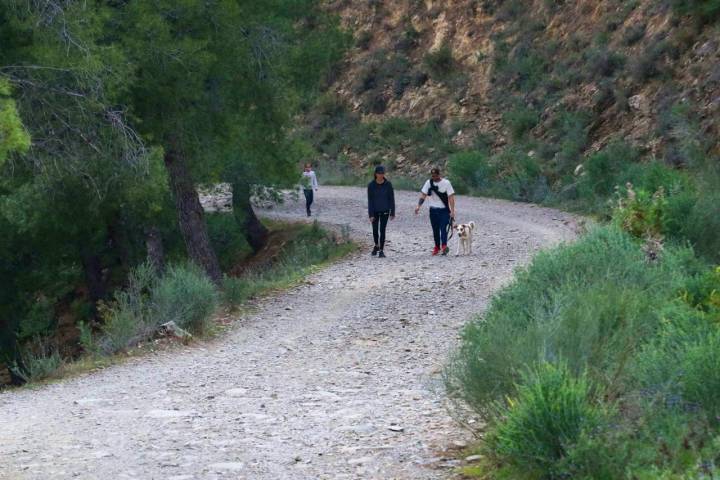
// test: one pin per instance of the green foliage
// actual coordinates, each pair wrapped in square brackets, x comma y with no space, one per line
[440,63]
[186,296]
[13,136]
[39,360]
[520,121]
[705,10]
[128,319]
[641,213]
[644,334]
[470,171]
[591,303]
[183,295]
[550,412]
[228,239]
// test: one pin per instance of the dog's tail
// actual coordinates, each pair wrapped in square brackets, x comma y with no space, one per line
[472,225]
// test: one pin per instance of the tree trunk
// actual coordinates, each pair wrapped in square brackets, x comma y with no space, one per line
[255,232]
[191,217]
[92,267]
[155,249]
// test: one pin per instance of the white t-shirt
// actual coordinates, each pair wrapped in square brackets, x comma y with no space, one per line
[444,186]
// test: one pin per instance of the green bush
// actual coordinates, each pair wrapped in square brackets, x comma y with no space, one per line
[705,10]
[601,170]
[519,176]
[186,296]
[702,226]
[440,63]
[592,304]
[641,213]
[535,429]
[127,320]
[39,360]
[520,121]
[470,171]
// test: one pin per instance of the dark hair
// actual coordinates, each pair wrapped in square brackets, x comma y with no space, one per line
[435,171]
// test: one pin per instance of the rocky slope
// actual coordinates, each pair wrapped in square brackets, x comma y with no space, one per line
[637,70]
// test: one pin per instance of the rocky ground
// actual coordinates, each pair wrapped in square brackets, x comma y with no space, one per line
[336,379]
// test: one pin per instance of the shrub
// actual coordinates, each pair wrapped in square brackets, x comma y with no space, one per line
[641,213]
[601,171]
[592,304]
[646,65]
[520,121]
[634,33]
[519,176]
[39,360]
[186,296]
[236,291]
[705,10]
[440,63]
[470,171]
[702,226]
[127,319]
[536,428]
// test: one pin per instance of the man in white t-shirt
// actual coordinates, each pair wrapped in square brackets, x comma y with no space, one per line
[442,208]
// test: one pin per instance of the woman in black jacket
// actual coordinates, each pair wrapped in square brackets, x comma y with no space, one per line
[381,207]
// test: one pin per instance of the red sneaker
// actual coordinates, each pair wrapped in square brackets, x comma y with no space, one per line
[445,250]
[436,250]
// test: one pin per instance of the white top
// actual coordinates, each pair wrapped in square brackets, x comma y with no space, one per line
[311,182]
[444,186]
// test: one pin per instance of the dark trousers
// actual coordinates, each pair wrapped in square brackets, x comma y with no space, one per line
[308,199]
[379,224]
[440,219]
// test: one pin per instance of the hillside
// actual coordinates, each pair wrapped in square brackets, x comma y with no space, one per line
[563,78]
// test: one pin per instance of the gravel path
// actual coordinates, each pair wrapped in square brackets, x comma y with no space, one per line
[335,379]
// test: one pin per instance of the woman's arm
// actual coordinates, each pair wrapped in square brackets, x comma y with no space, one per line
[371,210]
[392,200]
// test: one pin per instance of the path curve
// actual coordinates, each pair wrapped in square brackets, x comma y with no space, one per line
[335,379]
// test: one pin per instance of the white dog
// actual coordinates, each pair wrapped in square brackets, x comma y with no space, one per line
[464,234]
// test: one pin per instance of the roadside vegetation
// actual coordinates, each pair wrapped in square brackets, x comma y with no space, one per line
[182,294]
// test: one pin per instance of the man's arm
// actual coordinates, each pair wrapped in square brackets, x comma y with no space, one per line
[451,202]
[314,181]
[423,196]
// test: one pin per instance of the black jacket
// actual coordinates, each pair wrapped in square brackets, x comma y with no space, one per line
[381,198]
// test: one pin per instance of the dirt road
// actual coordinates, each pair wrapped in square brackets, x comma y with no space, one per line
[335,379]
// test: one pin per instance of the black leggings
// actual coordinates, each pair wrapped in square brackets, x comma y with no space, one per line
[379,224]
[308,199]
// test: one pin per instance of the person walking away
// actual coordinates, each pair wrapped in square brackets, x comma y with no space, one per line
[309,185]
[442,208]
[381,208]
